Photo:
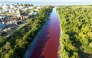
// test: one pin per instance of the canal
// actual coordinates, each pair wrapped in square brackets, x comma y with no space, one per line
[48,41]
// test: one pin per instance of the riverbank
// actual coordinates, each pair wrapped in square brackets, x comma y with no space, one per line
[61,32]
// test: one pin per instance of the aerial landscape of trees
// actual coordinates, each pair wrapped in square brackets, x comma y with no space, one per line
[76,38]
[15,45]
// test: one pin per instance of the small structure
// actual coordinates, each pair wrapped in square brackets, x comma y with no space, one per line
[38,8]
[12,11]
[5,8]
[18,11]
[18,20]
[21,14]
[12,6]
[3,19]
[20,7]
[2,26]
[31,7]
[1,11]
[25,9]
[32,13]
[35,13]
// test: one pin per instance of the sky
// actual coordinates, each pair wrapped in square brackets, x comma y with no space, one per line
[62,2]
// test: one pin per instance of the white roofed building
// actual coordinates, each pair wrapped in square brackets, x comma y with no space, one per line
[12,11]
[20,7]
[3,19]
[5,8]
[2,16]
[31,7]
[12,6]
[1,11]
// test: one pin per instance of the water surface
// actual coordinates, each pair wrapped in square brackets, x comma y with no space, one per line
[47,46]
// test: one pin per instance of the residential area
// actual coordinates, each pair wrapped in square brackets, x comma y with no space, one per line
[14,16]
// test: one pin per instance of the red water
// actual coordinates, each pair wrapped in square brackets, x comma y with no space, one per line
[47,46]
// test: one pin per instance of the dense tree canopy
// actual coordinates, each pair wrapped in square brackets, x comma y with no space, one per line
[76,24]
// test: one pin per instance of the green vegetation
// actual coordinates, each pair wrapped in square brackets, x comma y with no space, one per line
[21,4]
[18,42]
[0,8]
[76,24]
[26,5]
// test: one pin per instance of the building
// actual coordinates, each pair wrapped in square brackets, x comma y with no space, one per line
[12,11]
[12,6]
[31,7]
[20,7]
[21,14]
[3,19]
[5,8]
[2,26]
[1,11]
[25,9]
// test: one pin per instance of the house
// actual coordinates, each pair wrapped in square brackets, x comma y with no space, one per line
[2,16]
[32,12]
[5,8]
[35,13]
[3,19]
[1,11]
[38,7]
[18,20]
[18,15]
[21,14]
[31,7]
[20,7]
[25,9]
[13,6]
[2,26]
[18,11]
[12,11]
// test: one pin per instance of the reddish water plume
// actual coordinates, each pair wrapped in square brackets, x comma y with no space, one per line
[47,46]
